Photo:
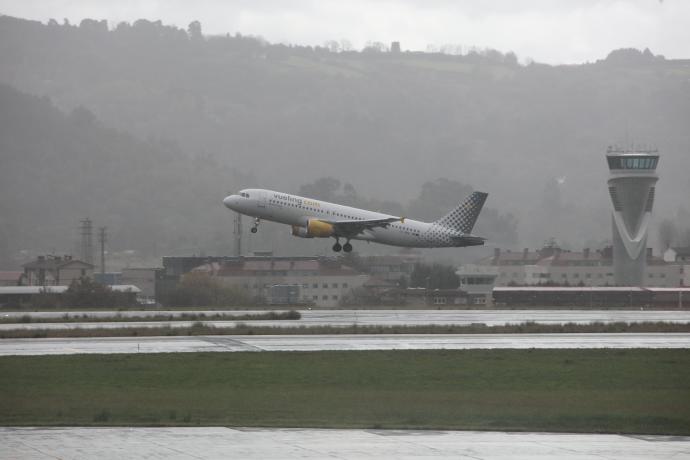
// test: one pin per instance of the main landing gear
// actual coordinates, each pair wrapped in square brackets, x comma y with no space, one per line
[347,247]
[255,228]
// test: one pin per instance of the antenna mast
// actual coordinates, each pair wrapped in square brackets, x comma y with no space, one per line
[102,238]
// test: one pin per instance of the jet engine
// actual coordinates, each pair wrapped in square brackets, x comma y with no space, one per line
[314,229]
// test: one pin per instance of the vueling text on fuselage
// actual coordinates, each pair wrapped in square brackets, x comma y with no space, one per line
[298,201]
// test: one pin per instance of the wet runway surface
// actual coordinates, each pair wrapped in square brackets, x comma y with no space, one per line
[264,443]
[235,343]
[342,318]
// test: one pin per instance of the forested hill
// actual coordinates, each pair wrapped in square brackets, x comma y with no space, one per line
[57,169]
[387,123]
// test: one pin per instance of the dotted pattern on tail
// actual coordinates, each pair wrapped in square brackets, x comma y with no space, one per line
[459,220]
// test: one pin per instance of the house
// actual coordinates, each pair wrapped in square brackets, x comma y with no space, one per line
[55,271]
[11,278]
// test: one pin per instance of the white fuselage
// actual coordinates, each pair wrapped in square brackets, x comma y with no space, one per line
[295,210]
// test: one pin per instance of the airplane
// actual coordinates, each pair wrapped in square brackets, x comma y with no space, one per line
[311,218]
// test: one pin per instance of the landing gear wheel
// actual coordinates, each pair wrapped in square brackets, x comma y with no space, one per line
[347,247]
[337,247]
[255,228]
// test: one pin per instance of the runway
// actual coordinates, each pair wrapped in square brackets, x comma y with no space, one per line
[342,318]
[258,343]
[263,443]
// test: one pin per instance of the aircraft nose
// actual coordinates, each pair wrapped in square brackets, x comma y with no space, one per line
[230,201]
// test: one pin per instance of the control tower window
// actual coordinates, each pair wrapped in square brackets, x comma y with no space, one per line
[632,162]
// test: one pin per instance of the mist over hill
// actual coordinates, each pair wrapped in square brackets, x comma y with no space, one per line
[145,127]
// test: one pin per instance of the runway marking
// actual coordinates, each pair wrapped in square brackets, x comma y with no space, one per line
[230,344]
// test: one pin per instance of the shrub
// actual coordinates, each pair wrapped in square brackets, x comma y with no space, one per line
[202,290]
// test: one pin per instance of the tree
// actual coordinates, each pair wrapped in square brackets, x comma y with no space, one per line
[436,276]
[324,188]
[375,47]
[194,30]
[332,46]
[437,198]
[198,289]
[668,234]
[440,196]
[684,238]
[86,292]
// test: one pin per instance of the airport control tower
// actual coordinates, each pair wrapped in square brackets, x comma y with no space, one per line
[632,176]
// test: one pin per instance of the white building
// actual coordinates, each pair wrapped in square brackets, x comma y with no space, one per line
[322,282]
[552,266]
[478,282]
[681,257]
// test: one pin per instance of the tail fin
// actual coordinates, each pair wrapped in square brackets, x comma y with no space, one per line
[465,215]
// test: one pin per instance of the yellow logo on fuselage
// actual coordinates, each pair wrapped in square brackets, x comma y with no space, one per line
[285,198]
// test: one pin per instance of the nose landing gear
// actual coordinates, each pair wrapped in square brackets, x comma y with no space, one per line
[255,228]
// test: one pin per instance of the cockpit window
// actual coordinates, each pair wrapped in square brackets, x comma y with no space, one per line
[244,194]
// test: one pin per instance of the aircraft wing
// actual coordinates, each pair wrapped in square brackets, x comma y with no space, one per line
[355,227]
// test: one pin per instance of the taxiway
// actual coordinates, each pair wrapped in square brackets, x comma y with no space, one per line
[343,318]
[289,443]
[235,343]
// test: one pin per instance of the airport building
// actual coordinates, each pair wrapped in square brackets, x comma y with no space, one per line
[393,267]
[592,297]
[681,257]
[632,179]
[478,281]
[553,266]
[324,282]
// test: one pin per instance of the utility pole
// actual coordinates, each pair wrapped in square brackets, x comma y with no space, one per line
[102,238]
[86,231]
[238,234]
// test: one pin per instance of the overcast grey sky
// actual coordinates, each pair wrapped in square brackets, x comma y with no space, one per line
[553,31]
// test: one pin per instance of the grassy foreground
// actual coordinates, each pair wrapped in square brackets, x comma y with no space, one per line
[632,391]
[220,316]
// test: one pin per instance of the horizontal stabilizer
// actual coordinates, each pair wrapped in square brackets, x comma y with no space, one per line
[468,240]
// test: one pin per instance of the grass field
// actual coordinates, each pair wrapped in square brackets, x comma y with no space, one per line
[632,391]
[220,316]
